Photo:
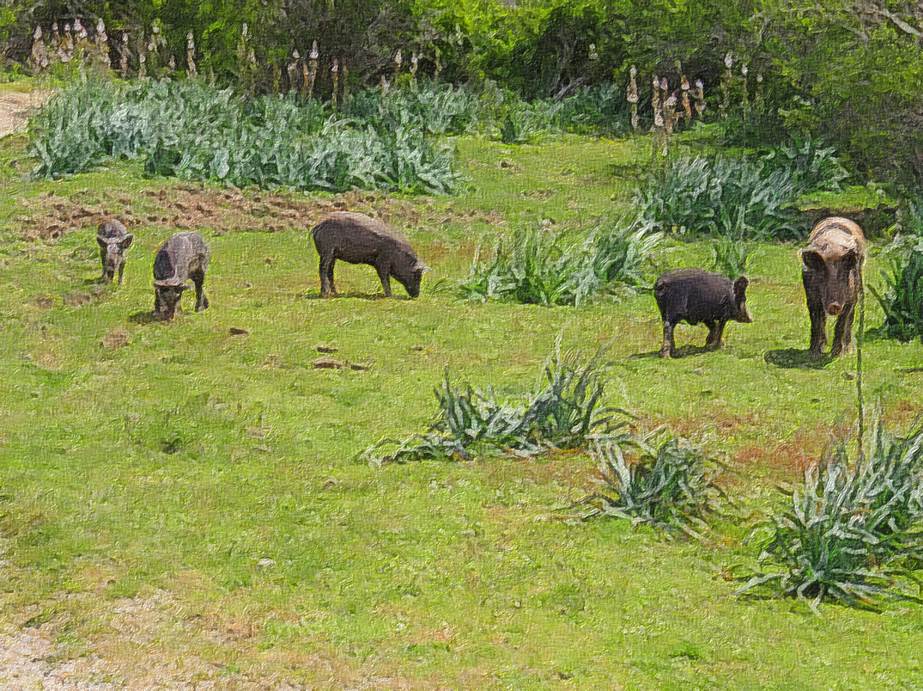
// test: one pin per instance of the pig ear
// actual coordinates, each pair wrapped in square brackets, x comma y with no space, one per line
[812,260]
[740,287]
[126,241]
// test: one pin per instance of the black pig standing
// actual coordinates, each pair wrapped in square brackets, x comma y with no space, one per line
[699,297]
[182,258]
[359,239]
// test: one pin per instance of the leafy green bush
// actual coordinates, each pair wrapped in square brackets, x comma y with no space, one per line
[853,530]
[902,297]
[563,412]
[438,109]
[190,130]
[601,108]
[667,482]
[539,267]
[726,196]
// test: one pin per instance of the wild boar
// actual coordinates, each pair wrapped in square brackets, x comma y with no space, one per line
[113,239]
[832,274]
[358,239]
[182,258]
[697,296]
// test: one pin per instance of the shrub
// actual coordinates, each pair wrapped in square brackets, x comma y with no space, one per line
[726,196]
[811,166]
[902,297]
[194,131]
[539,267]
[667,482]
[853,530]
[564,412]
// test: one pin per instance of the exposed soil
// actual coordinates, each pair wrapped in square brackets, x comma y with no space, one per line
[195,207]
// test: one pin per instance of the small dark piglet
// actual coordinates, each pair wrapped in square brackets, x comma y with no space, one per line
[113,239]
[358,239]
[699,297]
[182,258]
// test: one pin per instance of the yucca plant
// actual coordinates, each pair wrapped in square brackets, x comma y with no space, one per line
[853,532]
[659,480]
[902,296]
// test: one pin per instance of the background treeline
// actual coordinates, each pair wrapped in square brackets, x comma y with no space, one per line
[846,71]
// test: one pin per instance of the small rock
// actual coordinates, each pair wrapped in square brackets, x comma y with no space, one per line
[330,483]
[359,366]
[328,363]
[326,349]
[266,563]
[237,331]
[417,348]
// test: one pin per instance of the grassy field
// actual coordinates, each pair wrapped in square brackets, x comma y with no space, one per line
[181,504]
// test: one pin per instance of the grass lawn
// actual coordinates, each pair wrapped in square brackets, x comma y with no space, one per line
[181,504]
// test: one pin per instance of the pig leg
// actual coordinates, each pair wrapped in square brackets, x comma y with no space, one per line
[201,302]
[326,275]
[818,328]
[842,332]
[121,272]
[668,344]
[715,332]
[384,274]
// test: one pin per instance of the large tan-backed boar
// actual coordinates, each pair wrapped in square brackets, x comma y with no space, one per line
[832,275]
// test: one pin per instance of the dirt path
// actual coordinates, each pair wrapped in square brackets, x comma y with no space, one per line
[15,108]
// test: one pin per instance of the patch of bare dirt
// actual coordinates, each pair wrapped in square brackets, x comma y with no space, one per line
[16,107]
[29,659]
[115,339]
[195,207]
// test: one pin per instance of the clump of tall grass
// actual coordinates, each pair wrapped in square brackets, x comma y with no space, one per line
[853,532]
[192,130]
[902,295]
[724,196]
[731,256]
[536,266]
[659,480]
[564,411]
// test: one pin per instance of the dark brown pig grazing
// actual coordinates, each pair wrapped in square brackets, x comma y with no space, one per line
[832,274]
[182,258]
[699,297]
[358,239]
[113,239]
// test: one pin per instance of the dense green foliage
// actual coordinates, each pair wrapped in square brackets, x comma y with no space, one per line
[739,197]
[538,266]
[852,528]
[664,481]
[193,131]
[901,297]
[563,412]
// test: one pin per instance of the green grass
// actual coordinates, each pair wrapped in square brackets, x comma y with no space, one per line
[181,460]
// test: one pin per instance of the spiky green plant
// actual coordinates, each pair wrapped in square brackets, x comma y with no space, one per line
[565,412]
[536,266]
[812,166]
[731,256]
[658,480]
[853,532]
[902,296]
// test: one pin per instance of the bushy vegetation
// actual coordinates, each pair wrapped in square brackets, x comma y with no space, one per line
[853,532]
[662,481]
[739,197]
[731,256]
[538,266]
[901,298]
[564,412]
[194,131]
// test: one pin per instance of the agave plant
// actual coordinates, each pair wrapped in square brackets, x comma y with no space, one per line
[663,481]
[853,532]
